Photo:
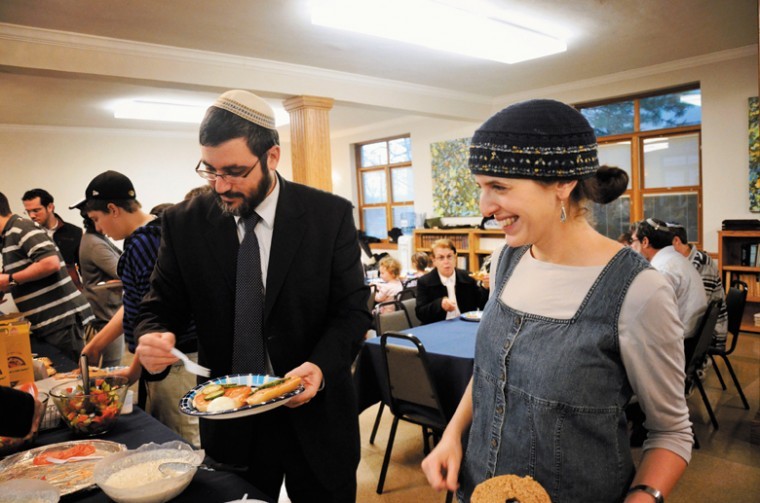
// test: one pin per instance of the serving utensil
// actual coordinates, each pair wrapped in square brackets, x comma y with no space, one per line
[177,468]
[84,370]
[190,365]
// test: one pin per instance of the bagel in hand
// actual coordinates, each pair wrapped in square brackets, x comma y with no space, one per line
[510,488]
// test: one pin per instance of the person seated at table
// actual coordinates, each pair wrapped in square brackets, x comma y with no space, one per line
[446,292]
[421,264]
[654,241]
[577,325]
[21,413]
[390,270]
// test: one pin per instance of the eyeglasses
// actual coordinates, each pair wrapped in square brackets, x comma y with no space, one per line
[232,177]
[445,257]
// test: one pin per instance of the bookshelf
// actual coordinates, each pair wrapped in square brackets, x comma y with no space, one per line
[734,258]
[473,245]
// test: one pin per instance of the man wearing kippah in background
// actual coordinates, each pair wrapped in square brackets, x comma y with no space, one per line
[652,239]
[306,313]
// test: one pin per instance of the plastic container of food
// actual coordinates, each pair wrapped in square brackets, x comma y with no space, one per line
[9,445]
[134,477]
[28,491]
[92,413]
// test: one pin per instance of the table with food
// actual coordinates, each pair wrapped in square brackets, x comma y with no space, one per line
[94,446]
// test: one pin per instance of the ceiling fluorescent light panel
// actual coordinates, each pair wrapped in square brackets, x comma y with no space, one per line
[160,111]
[437,26]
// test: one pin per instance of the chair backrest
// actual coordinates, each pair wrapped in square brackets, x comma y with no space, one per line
[411,310]
[371,300]
[407,293]
[696,348]
[736,299]
[395,320]
[409,378]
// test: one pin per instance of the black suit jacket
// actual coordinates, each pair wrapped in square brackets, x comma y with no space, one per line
[315,310]
[430,293]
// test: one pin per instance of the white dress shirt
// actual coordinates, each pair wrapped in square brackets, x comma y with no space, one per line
[451,283]
[265,228]
[687,283]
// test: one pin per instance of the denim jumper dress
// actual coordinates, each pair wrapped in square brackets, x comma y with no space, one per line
[549,394]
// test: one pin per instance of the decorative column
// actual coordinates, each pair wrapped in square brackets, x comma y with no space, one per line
[310,140]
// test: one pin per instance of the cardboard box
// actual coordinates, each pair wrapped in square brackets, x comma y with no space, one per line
[15,350]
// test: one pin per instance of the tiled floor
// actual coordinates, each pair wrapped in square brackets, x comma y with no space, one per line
[726,468]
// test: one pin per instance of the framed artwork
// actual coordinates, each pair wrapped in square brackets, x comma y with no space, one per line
[455,193]
[754,155]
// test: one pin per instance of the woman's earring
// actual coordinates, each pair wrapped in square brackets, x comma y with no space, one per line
[562,214]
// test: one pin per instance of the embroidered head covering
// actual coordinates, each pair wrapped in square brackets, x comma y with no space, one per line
[248,106]
[535,139]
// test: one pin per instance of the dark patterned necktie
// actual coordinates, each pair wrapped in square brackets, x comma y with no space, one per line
[248,355]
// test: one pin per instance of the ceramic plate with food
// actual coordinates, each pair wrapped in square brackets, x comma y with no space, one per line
[472,315]
[66,465]
[239,395]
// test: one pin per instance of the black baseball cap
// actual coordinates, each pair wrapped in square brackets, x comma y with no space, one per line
[107,186]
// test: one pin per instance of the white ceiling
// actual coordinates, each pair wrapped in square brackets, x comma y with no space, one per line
[61,61]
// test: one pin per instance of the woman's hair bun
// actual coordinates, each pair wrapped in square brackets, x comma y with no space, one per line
[607,184]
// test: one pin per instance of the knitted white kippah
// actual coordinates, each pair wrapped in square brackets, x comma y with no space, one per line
[248,106]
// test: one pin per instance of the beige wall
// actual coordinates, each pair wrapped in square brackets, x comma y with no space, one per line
[63,160]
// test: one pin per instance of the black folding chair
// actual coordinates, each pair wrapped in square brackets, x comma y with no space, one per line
[695,350]
[395,320]
[736,298]
[412,391]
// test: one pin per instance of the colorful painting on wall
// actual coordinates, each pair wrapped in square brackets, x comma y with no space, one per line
[754,155]
[455,193]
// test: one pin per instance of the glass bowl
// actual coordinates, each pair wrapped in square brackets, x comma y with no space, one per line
[95,412]
[9,445]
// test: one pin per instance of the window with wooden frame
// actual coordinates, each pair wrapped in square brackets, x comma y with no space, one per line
[386,185]
[656,139]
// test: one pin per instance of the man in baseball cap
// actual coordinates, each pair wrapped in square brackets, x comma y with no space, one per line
[110,202]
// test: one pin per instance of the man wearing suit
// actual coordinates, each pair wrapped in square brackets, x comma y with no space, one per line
[314,304]
[446,292]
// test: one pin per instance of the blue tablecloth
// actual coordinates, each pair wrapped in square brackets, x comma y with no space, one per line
[450,347]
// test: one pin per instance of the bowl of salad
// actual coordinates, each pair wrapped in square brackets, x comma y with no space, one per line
[9,445]
[94,411]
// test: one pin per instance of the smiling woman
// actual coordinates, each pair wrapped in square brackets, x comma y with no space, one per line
[572,352]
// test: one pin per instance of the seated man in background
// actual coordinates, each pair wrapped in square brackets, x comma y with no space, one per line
[446,292]
[711,281]
[652,239]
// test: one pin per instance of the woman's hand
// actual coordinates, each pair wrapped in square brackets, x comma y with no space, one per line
[441,466]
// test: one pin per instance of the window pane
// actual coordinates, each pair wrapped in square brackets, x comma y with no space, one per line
[403,184]
[671,110]
[671,161]
[374,154]
[617,154]
[374,223]
[400,150]
[374,189]
[614,118]
[403,218]
[681,208]
[614,218]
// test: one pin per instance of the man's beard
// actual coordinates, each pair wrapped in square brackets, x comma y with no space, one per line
[249,203]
